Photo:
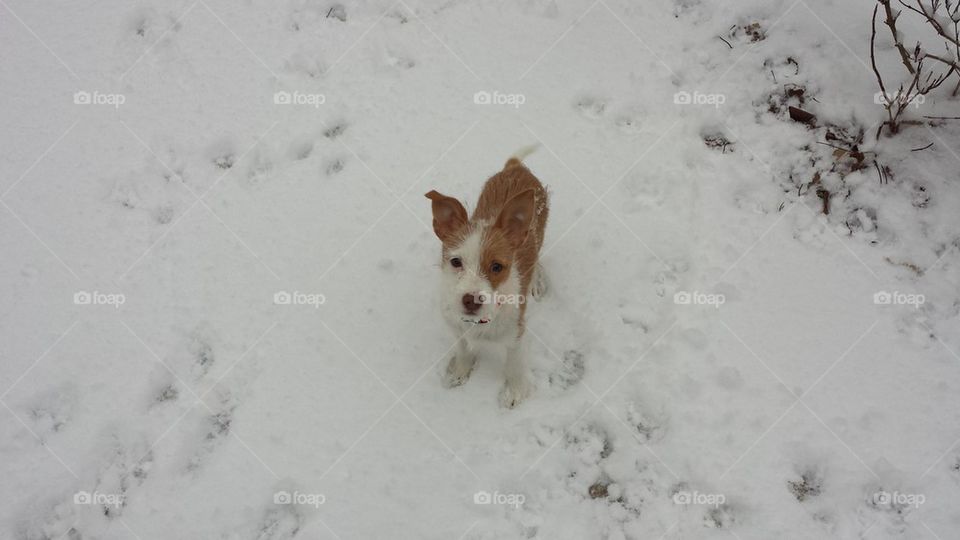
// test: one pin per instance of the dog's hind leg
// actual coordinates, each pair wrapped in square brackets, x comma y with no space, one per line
[460,366]
[539,284]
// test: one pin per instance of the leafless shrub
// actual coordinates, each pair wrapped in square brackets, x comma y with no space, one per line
[926,71]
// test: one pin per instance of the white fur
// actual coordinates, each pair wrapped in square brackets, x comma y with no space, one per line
[500,333]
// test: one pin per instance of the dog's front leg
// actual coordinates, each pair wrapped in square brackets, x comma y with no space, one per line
[460,366]
[516,387]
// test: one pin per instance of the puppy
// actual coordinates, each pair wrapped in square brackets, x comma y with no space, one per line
[488,266]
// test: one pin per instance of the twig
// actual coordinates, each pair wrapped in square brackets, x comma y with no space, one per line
[891,21]
[932,19]
[725,41]
[921,149]
[834,146]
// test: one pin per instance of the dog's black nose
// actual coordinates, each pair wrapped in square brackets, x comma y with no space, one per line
[471,303]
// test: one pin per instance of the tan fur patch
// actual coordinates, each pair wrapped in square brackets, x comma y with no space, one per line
[514,179]
[496,249]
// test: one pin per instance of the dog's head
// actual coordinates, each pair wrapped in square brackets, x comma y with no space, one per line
[479,264]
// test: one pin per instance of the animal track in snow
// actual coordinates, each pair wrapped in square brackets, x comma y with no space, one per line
[628,124]
[216,427]
[302,150]
[570,370]
[809,485]
[335,130]
[650,426]
[51,412]
[127,468]
[589,441]
[720,517]
[202,352]
[334,167]
[590,107]
[401,62]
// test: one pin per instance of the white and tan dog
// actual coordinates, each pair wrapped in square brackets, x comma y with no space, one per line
[489,265]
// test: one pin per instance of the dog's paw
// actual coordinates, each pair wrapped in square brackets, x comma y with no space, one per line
[539,285]
[512,394]
[457,373]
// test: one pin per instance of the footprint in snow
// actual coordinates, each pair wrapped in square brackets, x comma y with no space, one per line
[650,425]
[305,63]
[590,107]
[398,16]
[335,130]
[222,154]
[590,441]
[201,351]
[281,522]
[215,428]
[50,413]
[334,167]
[127,467]
[401,62]
[302,150]
[720,517]
[810,484]
[628,124]
[569,372]
[337,12]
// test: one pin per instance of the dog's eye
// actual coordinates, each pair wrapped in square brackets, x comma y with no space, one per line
[496,267]
[456,262]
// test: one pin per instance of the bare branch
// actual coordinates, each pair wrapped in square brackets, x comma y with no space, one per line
[891,22]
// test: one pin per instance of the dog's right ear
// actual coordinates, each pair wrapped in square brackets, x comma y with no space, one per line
[449,216]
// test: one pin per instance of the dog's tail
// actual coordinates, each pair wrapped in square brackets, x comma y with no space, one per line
[521,154]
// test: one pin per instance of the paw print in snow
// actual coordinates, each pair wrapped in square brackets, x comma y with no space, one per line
[591,107]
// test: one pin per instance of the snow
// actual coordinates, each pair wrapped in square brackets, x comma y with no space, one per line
[220,279]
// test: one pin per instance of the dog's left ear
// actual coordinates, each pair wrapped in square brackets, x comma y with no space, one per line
[516,217]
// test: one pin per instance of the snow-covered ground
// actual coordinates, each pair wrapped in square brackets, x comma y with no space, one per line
[716,358]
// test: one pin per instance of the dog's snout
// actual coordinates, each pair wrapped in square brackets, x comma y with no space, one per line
[472,302]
